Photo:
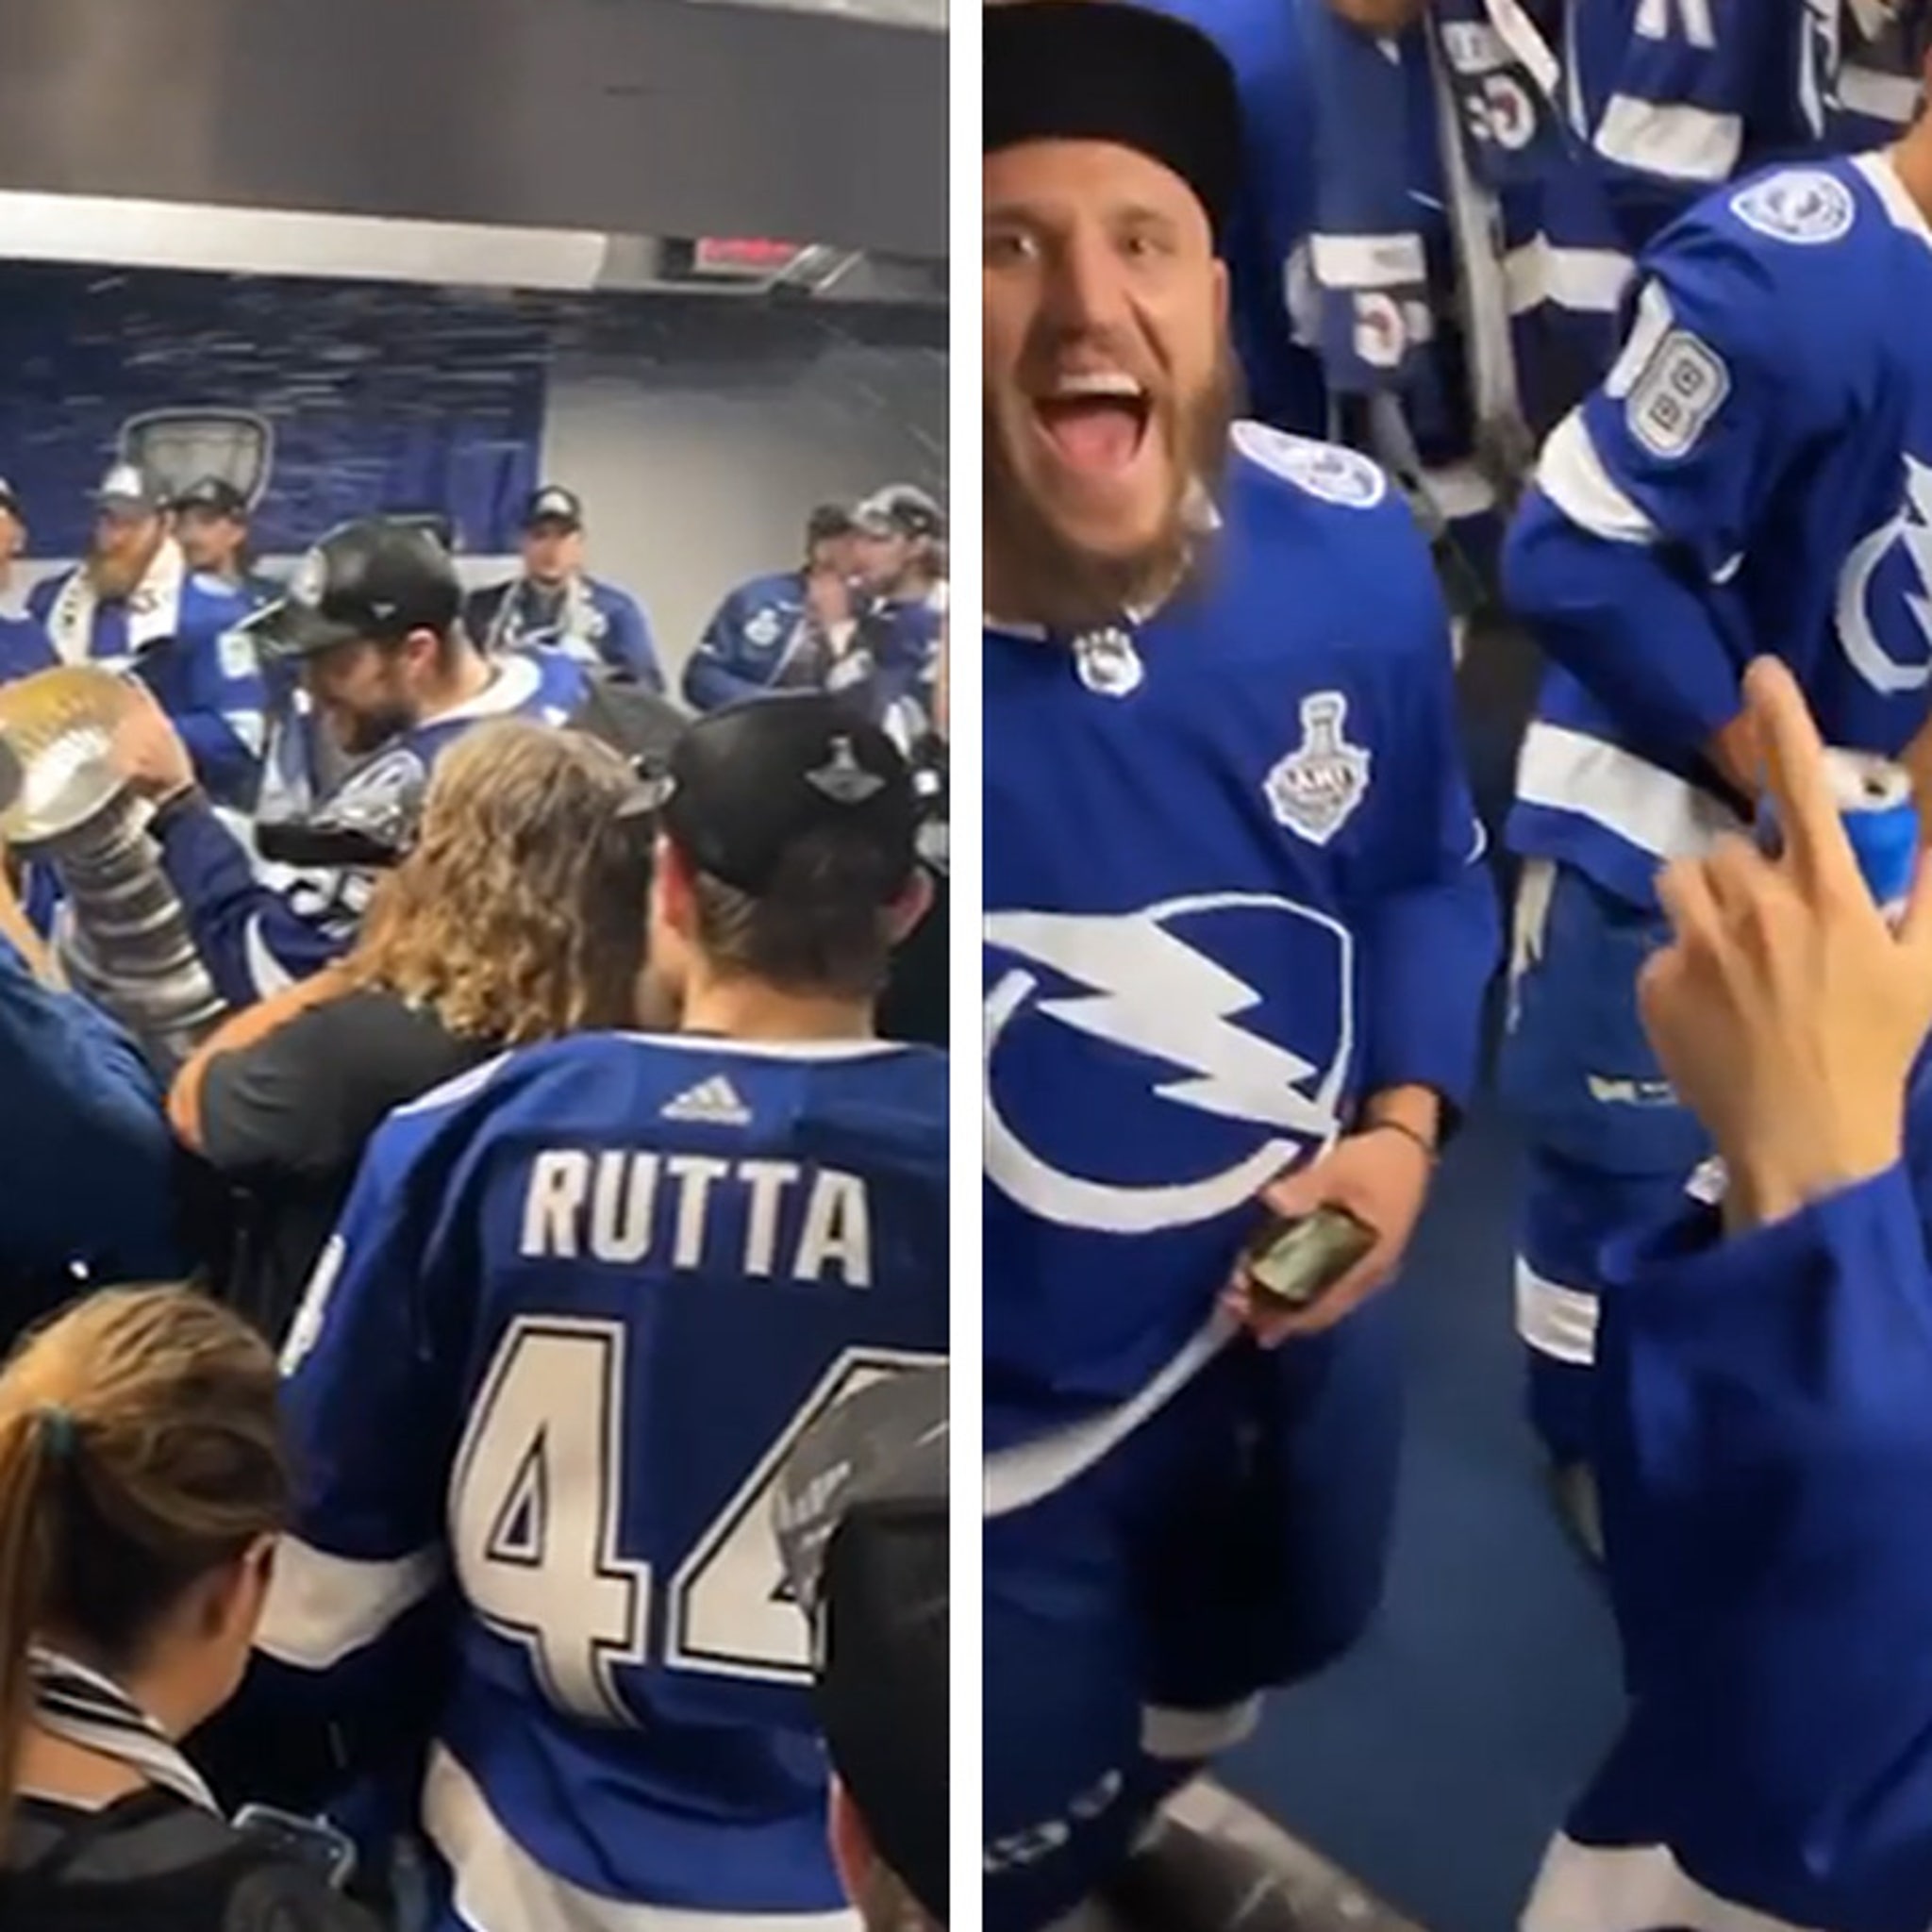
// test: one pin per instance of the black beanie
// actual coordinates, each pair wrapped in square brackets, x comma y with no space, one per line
[1101,69]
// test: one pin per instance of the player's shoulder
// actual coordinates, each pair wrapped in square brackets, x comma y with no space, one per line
[612,597]
[774,586]
[399,768]
[211,606]
[1277,466]
[1791,230]
[1369,550]
[557,687]
[847,1096]
[919,617]
[1820,205]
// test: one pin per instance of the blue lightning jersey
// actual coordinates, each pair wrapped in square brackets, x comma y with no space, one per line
[1754,476]
[593,622]
[1764,1451]
[178,634]
[579,1305]
[1676,97]
[1863,73]
[259,927]
[888,672]
[24,647]
[1233,884]
[760,633]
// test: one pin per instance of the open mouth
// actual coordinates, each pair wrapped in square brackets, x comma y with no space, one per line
[1096,424]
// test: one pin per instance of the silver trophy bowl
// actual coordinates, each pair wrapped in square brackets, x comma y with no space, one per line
[122,937]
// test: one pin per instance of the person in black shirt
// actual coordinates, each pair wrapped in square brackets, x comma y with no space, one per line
[861,1523]
[142,1487]
[518,915]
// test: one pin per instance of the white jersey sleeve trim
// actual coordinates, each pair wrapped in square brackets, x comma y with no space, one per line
[1555,1321]
[1676,142]
[1878,95]
[499,1885]
[1639,803]
[1187,1737]
[1017,1477]
[266,974]
[1585,281]
[1630,1888]
[1883,179]
[1368,262]
[1572,475]
[324,1608]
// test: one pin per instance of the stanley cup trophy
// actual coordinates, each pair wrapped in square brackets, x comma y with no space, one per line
[122,937]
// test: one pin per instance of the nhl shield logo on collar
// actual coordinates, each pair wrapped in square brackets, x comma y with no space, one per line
[1107,663]
[1315,790]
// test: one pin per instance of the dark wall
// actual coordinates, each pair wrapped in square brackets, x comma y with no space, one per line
[654,117]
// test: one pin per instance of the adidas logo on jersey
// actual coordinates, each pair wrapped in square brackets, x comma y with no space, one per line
[712,1103]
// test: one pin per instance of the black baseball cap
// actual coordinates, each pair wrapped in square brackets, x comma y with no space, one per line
[860,1517]
[129,491]
[216,494]
[439,523]
[900,509]
[743,783]
[1067,70]
[554,504]
[377,580]
[827,520]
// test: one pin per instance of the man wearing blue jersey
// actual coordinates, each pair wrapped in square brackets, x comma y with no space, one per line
[1754,476]
[1237,929]
[556,605]
[136,605]
[24,646]
[211,526]
[370,621]
[890,660]
[578,1308]
[1764,1407]
[775,631]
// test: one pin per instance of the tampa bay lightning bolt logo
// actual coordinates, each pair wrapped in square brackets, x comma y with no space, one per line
[1140,1077]
[1885,594]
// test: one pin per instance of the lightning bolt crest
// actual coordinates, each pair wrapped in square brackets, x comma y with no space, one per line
[1158,996]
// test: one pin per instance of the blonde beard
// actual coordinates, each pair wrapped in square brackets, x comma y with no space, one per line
[1050,581]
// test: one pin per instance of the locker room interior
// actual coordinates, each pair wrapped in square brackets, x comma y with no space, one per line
[700,428]
[374,260]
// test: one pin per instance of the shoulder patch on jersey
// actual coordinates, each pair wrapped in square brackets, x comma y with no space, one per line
[1316,787]
[1677,396]
[763,631]
[1804,206]
[235,650]
[1323,470]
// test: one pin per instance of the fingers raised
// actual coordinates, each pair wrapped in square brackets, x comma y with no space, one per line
[1817,851]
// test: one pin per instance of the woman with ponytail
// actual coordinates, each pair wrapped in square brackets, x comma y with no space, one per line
[143,1486]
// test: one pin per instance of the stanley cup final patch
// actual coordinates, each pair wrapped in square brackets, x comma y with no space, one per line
[1315,790]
